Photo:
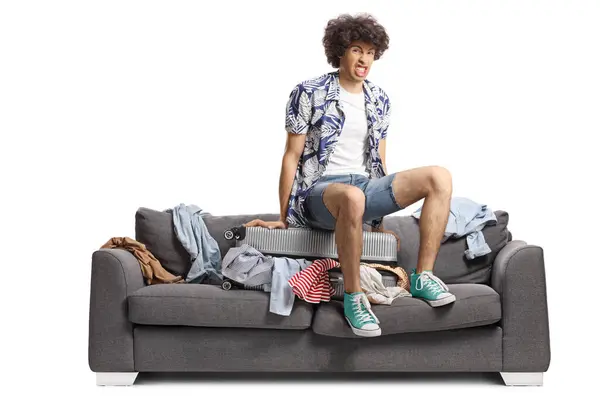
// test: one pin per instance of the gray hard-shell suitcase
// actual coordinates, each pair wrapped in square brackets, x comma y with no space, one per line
[312,244]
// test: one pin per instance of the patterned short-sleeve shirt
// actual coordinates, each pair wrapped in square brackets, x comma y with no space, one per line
[314,109]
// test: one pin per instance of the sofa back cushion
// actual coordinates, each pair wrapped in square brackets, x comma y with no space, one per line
[155,229]
[452,266]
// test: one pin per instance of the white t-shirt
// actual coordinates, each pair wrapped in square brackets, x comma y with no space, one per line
[348,156]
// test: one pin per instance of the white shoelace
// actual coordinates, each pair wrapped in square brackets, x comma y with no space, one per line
[426,278]
[362,310]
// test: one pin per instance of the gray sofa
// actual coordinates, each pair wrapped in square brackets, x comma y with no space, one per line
[499,322]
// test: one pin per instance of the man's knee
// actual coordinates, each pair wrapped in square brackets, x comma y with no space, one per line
[348,201]
[441,180]
[353,202]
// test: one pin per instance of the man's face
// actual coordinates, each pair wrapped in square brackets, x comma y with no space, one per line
[356,62]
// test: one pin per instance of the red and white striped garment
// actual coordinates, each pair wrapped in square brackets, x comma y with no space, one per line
[312,283]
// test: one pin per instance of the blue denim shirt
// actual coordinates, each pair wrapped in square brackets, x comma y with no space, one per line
[314,109]
[203,249]
[468,218]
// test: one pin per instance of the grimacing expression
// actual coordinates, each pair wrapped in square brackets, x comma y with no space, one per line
[356,62]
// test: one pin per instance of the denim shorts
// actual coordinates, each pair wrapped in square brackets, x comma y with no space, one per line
[379,199]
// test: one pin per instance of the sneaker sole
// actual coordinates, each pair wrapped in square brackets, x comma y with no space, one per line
[441,302]
[362,332]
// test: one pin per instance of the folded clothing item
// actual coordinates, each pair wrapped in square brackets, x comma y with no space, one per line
[403,279]
[371,282]
[312,284]
[247,266]
[152,270]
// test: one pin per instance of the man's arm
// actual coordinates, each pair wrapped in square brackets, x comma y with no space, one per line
[294,148]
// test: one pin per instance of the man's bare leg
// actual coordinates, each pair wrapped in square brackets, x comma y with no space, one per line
[435,185]
[347,205]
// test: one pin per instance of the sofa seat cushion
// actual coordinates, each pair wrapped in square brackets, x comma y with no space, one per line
[475,305]
[210,306]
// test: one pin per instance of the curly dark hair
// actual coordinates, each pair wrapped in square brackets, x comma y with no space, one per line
[345,29]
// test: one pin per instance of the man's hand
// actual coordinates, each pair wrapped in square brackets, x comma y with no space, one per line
[267,224]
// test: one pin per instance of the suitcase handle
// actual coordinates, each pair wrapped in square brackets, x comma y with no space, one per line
[237,232]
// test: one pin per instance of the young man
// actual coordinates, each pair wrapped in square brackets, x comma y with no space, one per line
[333,173]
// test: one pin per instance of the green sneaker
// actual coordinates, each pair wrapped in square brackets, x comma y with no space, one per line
[430,288]
[361,319]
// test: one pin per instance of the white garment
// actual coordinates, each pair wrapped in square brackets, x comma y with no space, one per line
[348,155]
[371,283]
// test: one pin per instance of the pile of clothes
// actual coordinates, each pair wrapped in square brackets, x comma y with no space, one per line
[287,278]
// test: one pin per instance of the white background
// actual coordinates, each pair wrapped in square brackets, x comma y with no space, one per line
[111,105]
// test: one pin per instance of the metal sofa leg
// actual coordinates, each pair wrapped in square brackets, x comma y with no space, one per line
[523,378]
[115,378]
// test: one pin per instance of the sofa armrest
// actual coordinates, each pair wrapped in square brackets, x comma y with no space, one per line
[519,276]
[116,273]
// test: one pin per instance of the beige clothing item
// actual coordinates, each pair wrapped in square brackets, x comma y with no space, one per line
[152,270]
[403,280]
[371,283]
